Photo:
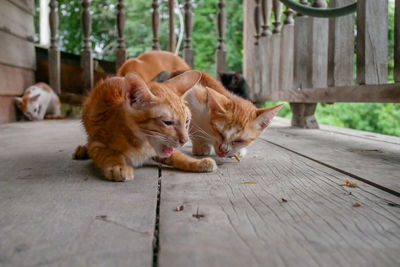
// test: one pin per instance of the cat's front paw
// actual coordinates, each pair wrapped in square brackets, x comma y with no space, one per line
[119,173]
[81,152]
[207,165]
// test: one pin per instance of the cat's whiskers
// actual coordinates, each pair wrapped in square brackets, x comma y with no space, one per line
[200,130]
[161,137]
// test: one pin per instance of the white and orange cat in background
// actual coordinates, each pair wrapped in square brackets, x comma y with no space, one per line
[39,101]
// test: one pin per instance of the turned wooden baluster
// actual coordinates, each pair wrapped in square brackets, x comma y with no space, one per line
[156,24]
[171,25]
[277,6]
[54,52]
[257,21]
[266,6]
[221,53]
[86,55]
[289,17]
[188,52]
[121,49]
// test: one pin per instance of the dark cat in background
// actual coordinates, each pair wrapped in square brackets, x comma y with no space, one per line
[233,81]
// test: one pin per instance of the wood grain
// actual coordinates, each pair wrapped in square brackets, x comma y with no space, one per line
[341,47]
[384,93]
[372,41]
[7,109]
[248,44]
[16,51]
[372,158]
[56,211]
[16,21]
[27,5]
[250,224]
[13,81]
[286,58]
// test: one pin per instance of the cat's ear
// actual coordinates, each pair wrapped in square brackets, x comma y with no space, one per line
[216,101]
[265,116]
[34,98]
[184,82]
[18,102]
[136,90]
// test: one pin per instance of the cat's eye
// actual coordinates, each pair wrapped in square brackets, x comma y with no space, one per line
[168,123]
[187,122]
[35,110]
[238,142]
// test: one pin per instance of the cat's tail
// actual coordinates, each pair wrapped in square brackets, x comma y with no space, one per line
[81,153]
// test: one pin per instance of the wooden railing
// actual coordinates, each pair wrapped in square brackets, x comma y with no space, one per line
[309,60]
[86,53]
[302,60]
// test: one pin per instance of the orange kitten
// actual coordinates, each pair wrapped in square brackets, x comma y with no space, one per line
[129,121]
[149,64]
[222,120]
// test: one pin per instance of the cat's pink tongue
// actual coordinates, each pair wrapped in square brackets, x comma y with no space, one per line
[167,150]
[221,154]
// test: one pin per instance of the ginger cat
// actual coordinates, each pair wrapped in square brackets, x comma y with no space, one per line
[223,121]
[39,101]
[149,64]
[129,121]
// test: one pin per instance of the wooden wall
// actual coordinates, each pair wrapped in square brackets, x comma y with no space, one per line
[17,53]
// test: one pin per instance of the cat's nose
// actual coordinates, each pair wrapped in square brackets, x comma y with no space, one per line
[183,140]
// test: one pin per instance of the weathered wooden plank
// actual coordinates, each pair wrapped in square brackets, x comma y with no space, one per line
[13,81]
[341,47]
[301,44]
[56,211]
[171,25]
[318,52]
[15,21]
[27,5]
[384,93]
[188,52]
[396,71]
[16,51]
[7,109]
[374,159]
[286,54]
[250,225]
[248,44]
[265,46]
[372,41]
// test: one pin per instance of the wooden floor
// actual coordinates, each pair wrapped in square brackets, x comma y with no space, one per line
[296,210]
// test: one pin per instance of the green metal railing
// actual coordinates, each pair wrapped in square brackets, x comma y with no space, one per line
[320,12]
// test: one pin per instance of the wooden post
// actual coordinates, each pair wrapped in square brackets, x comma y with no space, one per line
[86,55]
[221,53]
[156,24]
[121,49]
[54,53]
[256,53]
[341,47]
[286,56]
[265,48]
[396,71]
[171,25]
[275,46]
[372,41]
[188,52]
[310,61]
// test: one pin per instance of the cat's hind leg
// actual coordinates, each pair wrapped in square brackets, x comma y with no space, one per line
[184,162]
[81,152]
[112,162]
